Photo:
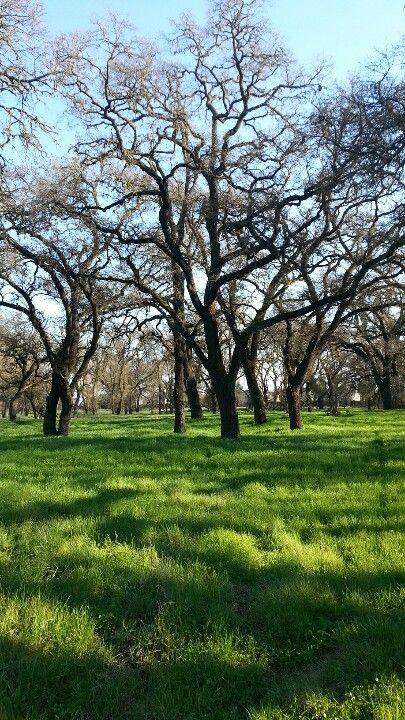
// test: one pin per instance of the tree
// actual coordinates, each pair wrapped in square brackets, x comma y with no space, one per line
[24,74]
[229,170]
[376,335]
[21,359]
[43,254]
[152,126]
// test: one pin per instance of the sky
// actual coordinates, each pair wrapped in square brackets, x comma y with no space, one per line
[344,31]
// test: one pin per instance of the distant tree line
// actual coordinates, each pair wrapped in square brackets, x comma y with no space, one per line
[226,229]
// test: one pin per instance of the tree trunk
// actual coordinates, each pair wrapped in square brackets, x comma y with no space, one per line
[385,391]
[255,393]
[333,404]
[33,406]
[249,364]
[294,407]
[77,403]
[66,409]
[49,424]
[179,382]
[160,399]
[12,412]
[193,395]
[225,393]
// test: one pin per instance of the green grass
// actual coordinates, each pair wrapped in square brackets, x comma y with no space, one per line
[148,576]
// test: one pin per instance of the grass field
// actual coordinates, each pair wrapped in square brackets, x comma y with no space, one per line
[148,576]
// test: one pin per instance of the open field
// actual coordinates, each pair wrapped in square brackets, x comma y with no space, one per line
[159,577]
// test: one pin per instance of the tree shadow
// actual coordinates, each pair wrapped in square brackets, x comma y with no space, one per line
[179,644]
[197,625]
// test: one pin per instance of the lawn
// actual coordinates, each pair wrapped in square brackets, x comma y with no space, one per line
[148,576]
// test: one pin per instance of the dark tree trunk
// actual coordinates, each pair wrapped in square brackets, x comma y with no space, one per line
[12,412]
[249,362]
[320,402]
[210,398]
[385,391]
[193,395]
[294,407]
[34,407]
[179,382]
[66,409]
[333,404]
[51,409]
[255,393]
[225,393]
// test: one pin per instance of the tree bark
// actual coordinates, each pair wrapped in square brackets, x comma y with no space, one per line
[66,409]
[33,406]
[179,382]
[255,393]
[225,392]
[385,391]
[333,404]
[194,401]
[193,395]
[249,363]
[12,412]
[294,407]
[49,424]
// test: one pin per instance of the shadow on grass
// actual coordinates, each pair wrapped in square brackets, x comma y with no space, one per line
[42,685]
[195,631]
[307,460]
[179,646]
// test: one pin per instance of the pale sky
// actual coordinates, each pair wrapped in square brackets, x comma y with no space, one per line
[346,31]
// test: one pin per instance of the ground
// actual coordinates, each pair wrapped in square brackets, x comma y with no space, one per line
[148,576]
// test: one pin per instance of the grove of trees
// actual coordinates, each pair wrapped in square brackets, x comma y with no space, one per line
[225,229]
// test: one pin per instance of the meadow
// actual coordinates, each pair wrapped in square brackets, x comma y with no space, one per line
[148,576]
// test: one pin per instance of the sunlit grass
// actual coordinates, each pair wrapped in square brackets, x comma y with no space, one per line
[148,576]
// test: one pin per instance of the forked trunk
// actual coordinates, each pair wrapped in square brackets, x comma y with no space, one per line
[60,391]
[66,412]
[51,409]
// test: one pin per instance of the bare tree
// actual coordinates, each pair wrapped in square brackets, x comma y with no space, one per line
[24,75]
[22,364]
[376,337]
[49,265]
[233,181]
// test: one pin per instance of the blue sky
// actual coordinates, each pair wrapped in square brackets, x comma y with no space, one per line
[345,31]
